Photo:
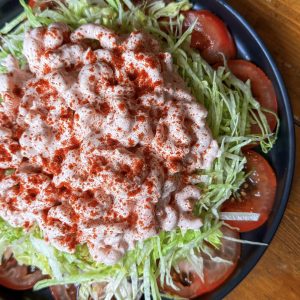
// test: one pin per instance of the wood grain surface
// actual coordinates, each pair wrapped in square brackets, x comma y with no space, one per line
[277,275]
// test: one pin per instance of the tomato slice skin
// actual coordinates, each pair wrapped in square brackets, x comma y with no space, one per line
[64,292]
[42,6]
[16,277]
[215,274]
[31,3]
[258,196]
[261,86]
[210,36]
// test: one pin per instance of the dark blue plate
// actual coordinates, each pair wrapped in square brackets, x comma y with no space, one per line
[282,156]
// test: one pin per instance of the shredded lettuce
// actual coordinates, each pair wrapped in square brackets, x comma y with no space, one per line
[157,253]
[231,111]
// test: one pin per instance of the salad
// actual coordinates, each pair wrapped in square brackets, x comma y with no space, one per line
[127,162]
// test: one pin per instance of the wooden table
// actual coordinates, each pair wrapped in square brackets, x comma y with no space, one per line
[277,275]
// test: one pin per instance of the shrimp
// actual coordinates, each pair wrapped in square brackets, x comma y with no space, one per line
[33,196]
[185,198]
[188,221]
[92,207]
[107,38]
[56,230]
[86,121]
[169,218]
[68,173]
[10,151]
[134,65]
[142,42]
[203,152]
[16,217]
[171,141]
[35,139]
[11,85]
[39,44]
[93,79]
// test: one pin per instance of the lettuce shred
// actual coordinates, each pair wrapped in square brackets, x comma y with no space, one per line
[232,109]
[151,260]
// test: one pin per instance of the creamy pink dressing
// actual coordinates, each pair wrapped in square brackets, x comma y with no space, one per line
[104,137]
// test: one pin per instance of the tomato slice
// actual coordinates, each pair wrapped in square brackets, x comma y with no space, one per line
[43,6]
[215,273]
[64,292]
[31,3]
[17,277]
[257,194]
[261,86]
[210,36]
